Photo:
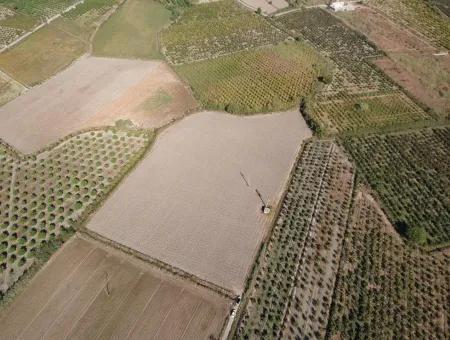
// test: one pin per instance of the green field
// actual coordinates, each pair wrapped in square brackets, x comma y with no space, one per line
[263,80]
[409,173]
[44,196]
[132,31]
[215,29]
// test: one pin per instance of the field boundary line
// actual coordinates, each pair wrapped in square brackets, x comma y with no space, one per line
[12,79]
[55,292]
[133,326]
[308,233]
[192,318]
[178,272]
[43,24]
[180,294]
[93,299]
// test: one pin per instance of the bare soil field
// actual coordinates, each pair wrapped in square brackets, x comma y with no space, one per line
[382,31]
[191,202]
[426,77]
[267,6]
[89,291]
[94,92]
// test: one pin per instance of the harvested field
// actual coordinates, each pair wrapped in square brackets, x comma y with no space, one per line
[89,291]
[94,92]
[424,76]
[42,54]
[192,203]
[139,19]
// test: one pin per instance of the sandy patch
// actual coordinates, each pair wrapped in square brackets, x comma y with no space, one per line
[69,298]
[93,92]
[187,203]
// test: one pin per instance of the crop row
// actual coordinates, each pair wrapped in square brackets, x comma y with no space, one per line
[213,29]
[267,79]
[303,250]
[386,289]
[410,174]
[45,195]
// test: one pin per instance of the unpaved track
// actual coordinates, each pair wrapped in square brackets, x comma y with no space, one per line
[187,203]
[94,92]
[68,298]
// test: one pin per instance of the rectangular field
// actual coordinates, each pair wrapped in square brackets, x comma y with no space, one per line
[192,201]
[94,92]
[89,291]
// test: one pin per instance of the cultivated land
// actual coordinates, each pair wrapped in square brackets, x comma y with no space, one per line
[290,292]
[56,45]
[43,196]
[416,193]
[359,98]
[410,60]
[266,6]
[192,203]
[9,89]
[89,291]
[264,80]
[94,92]
[214,29]
[385,288]
[132,31]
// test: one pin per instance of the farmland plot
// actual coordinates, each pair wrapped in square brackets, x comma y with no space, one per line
[94,92]
[264,80]
[44,195]
[192,204]
[290,293]
[42,9]
[210,30]
[386,289]
[9,89]
[415,195]
[89,291]
[266,6]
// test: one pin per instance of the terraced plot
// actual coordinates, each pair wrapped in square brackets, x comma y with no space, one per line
[214,29]
[192,202]
[290,293]
[409,174]
[264,80]
[386,289]
[44,195]
[89,291]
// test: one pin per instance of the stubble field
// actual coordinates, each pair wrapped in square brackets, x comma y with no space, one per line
[89,291]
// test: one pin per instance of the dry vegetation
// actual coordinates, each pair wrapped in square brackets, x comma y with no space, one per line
[214,29]
[291,290]
[264,80]
[95,92]
[386,289]
[89,291]
[44,195]
[359,97]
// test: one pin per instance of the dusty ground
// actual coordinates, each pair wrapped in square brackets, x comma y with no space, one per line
[187,203]
[387,35]
[267,6]
[93,92]
[68,299]
[426,77]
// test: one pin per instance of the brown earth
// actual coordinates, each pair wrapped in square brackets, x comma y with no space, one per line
[89,291]
[94,92]
[383,32]
[425,77]
[187,202]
